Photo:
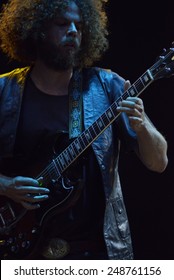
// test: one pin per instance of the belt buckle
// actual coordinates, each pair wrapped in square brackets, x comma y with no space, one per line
[56,249]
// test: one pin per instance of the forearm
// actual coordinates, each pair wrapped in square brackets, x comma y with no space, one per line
[152,147]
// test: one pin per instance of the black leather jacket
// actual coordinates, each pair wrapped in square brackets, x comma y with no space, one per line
[100,88]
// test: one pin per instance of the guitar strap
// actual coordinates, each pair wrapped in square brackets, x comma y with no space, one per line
[75,105]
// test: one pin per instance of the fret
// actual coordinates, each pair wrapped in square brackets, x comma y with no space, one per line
[105,119]
[82,142]
[139,85]
[60,168]
[143,81]
[92,132]
[59,161]
[85,139]
[69,154]
[97,129]
[100,124]
[62,160]
[132,91]
[114,108]
[88,136]
[147,77]
[75,148]
[110,114]
[72,151]
[120,99]
[55,168]
[125,95]
[52,170]
[77,144]
[66,156]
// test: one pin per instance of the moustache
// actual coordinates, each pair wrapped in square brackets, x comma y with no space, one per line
[71,42]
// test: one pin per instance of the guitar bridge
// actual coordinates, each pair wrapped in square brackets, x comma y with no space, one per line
[7,215]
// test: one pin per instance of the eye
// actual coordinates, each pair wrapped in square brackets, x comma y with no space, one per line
[60,22]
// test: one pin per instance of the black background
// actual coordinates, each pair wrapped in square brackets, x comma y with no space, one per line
[139,31]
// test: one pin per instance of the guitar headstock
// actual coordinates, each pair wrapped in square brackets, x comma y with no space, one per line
[164,67]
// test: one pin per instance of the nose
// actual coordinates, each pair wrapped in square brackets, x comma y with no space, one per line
[72,30]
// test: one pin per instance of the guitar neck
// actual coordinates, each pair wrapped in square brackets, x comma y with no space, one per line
[81,143]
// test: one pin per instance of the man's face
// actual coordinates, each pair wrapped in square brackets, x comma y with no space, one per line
[62,39]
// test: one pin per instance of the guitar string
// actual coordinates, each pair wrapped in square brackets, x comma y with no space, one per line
[49,171]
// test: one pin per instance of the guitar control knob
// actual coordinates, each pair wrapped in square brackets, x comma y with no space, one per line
[11,240]
[21,235]
[14,248]
[25,244]
[34,230]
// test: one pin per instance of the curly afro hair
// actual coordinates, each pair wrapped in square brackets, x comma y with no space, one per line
[21,23]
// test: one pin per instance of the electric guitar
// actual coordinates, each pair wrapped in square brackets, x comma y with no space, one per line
[21,229]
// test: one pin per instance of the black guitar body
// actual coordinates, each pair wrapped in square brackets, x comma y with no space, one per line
[21,230]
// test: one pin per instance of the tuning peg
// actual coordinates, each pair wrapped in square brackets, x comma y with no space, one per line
[164,50]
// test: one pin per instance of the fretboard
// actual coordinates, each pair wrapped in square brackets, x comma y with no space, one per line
[59,164]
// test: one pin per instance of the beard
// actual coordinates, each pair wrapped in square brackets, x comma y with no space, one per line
[58,58]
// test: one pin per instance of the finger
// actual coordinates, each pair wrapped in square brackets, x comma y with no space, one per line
[19,180]
[31,202]
[127,106]
[32,190]
[27,184]
[34,199]
[30,206]
[136,100]
[131,106]
[127,85]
